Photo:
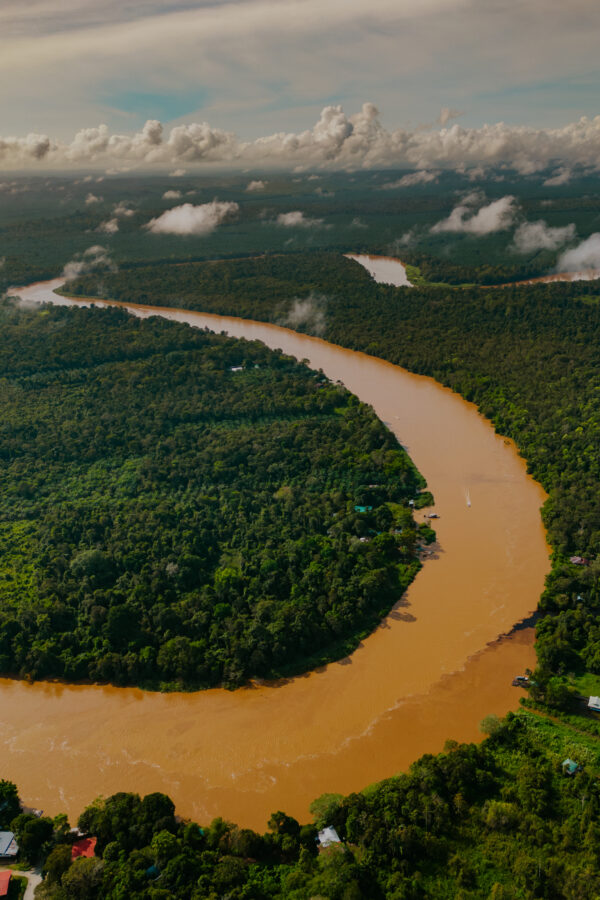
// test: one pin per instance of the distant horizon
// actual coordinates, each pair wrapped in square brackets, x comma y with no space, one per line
[260,83]
[337,142]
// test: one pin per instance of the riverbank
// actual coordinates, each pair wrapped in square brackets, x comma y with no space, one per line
[423,676]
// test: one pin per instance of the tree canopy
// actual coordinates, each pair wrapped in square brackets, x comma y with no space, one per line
[177,508]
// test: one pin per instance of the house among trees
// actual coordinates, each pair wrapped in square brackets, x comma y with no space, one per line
[86,847]
[5,882]
[328,836]
[579,561]
[594,704]
[8,845]
[570,767]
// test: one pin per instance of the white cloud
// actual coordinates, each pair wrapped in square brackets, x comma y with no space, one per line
[256,185]
[405,240]
[111,226]
[532,236]
[297,219]
[561,176]
[92,198]
[585,256]
[122,210]
[357,222]
[177,173]
[93,259]
[67,61]
[171,195]
[422,176]
[336,141]
[496,216]
[446,114]
[308,313]
[190,219]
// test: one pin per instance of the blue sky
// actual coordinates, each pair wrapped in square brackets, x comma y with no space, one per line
[256,67]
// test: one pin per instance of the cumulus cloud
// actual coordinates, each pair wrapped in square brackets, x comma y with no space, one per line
[257,185]
[171,195]
[561,176]
[121,209]
[532,236]
[420,177]
[357,222]
[496,216]
[446,114]
[111,226]
[336,141]
[585,256]
[408,239]
[190,219]
[92,198]
[94,259]
[297,219]
[307,313]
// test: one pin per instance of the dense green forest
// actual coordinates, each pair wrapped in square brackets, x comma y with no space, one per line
[122,561]
[528,356]
[497,820]
[437,271]
[45,223]
[179,508]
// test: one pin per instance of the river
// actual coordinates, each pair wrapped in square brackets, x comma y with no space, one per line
[384,269]
[432,670]
[389,270]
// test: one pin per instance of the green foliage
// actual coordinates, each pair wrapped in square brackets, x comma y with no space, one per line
[489,345]
[496,820]
[57,863]
[10,804]
[32,833]
[165,520]
[491,724]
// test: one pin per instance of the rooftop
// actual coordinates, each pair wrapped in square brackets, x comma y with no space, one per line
[8,844]
[328,836]
[85,847]
[4,883]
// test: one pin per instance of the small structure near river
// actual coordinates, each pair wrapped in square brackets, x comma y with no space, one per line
[8,845]
[328,836]
[5,882]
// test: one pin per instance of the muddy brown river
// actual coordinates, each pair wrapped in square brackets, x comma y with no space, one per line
[431,671]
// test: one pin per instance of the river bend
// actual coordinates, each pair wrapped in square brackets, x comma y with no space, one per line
[432,670]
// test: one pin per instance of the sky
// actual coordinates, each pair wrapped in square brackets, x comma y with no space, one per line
[251,73]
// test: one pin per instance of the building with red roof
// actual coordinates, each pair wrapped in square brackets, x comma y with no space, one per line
[4,882]
[86,847]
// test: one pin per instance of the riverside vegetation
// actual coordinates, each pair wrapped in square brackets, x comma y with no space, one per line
[47,222]
[528,356]
[179,509]
[496,820]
